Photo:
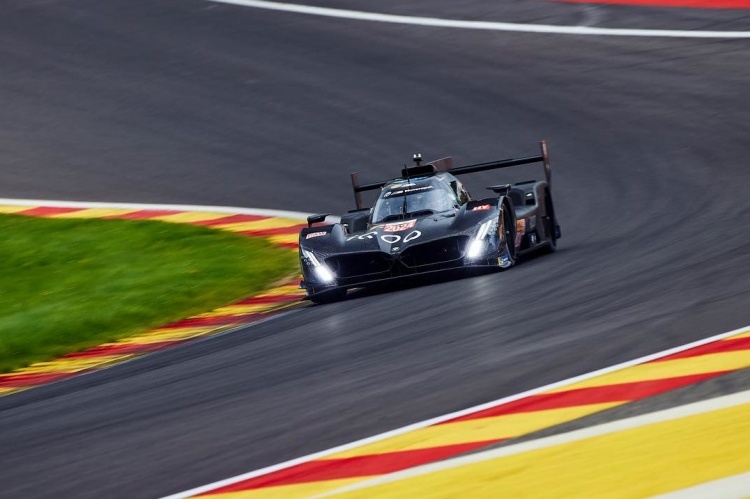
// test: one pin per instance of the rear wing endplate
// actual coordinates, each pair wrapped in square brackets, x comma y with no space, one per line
[439,166]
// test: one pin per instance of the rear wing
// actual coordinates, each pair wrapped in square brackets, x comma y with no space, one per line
[443,165]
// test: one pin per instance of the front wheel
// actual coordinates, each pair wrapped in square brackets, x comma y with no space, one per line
[507,233]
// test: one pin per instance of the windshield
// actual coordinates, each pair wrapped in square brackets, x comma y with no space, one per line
[402,201]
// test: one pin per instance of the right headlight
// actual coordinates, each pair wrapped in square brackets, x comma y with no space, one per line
[321,271]
[481,243]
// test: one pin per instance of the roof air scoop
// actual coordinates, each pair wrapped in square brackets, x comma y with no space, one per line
[419,169]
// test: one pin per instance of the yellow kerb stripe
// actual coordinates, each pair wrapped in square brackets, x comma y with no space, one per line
[292,290]
[70,365]
[14,209]
[638,462]
[476,430]
[165,335]
[187,217]
[93,213]
[728,361]
[238,310]
[288,239]
[268,223]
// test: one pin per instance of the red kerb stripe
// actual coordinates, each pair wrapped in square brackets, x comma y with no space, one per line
[271,299]
[231,219]
[279,231]
[332,469]
[623,392]
[213,321]
[699,4]
[47,211]
[729,345]
[122,349]
[144,214]
[31,379]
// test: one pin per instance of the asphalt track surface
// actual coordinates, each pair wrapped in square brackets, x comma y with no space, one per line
[192,102]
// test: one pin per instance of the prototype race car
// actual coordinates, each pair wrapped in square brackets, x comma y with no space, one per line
[425,221]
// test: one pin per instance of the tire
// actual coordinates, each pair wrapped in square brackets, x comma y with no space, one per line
[507,233]
[329,296]
[549,224]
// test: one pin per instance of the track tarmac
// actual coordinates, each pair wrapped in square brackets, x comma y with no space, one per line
[191,102]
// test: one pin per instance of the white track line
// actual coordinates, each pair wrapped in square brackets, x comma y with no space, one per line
[733,487]
[139,206]
[440,419]
[662,416]
[480,25]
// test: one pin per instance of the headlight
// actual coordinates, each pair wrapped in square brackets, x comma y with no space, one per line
[480,243]
[323,272]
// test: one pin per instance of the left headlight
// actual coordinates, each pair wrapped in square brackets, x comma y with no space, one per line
[321,271]
[482,242]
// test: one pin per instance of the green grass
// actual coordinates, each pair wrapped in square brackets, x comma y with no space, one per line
[69,284]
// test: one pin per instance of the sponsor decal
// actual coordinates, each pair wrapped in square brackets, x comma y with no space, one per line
[419,189]
[398,227]
[367,235]
[483,207]
[407,191]
[412,235]
[389,238]
[393,238]
[520,231]
[315,234]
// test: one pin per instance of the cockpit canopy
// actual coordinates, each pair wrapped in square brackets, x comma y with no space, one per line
[410,198]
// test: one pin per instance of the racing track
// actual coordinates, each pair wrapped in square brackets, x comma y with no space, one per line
[190,102]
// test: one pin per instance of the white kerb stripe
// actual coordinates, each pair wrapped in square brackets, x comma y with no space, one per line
[446,417]
[672,414]
[733,487]
[480,25]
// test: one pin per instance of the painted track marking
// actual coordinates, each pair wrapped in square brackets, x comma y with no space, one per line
[729,341]
[279,227]
[733,487]
[156,207]
[480,25]
[690,4]
[592,460]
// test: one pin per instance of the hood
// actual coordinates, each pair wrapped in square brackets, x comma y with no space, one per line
[393,237]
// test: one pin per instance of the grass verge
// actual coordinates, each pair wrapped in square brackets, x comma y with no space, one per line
[69,284]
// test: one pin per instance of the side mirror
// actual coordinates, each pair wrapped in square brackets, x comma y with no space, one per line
[314,219]
[500,190]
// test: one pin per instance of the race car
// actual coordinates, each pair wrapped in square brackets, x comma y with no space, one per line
[425,221]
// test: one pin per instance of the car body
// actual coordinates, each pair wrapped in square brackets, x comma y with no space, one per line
[426,221]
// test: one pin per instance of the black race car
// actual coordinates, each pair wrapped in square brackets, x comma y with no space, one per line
[425,221]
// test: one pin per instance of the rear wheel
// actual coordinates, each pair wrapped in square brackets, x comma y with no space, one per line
[549,224]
